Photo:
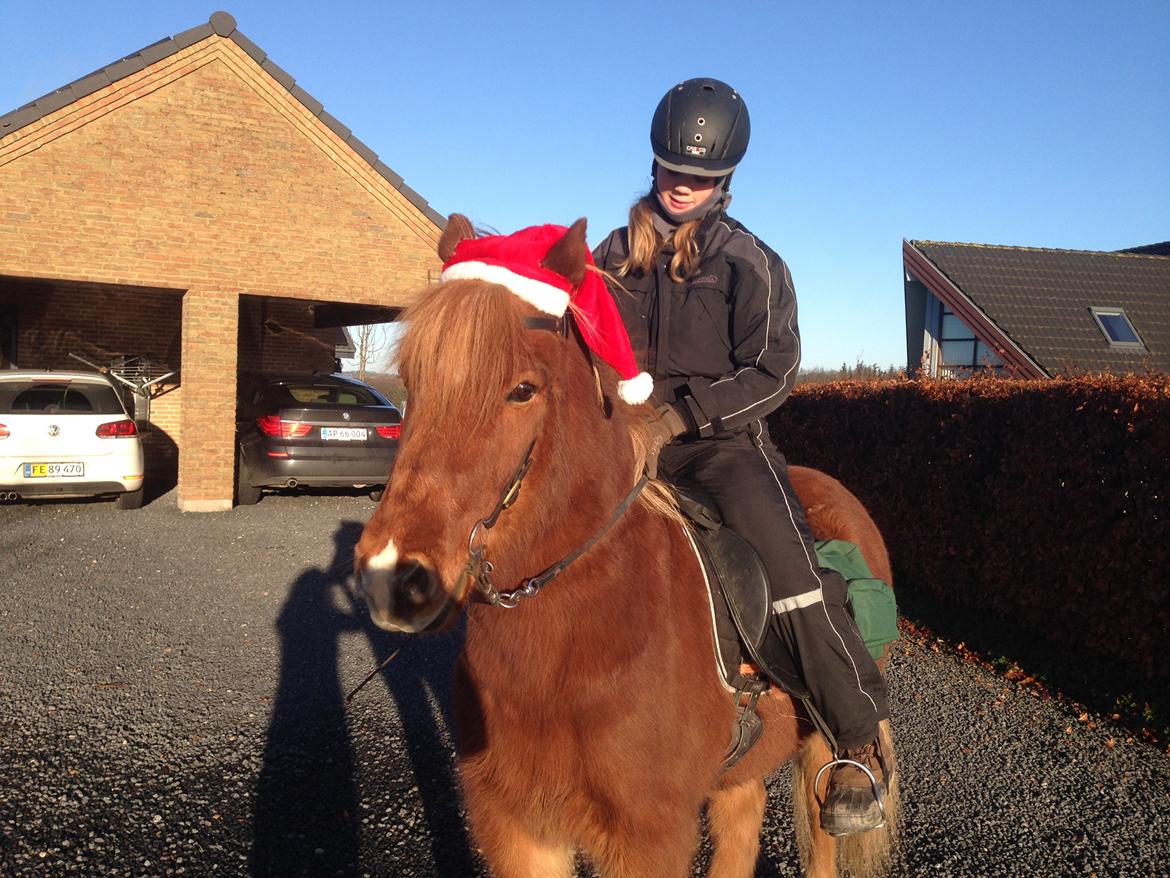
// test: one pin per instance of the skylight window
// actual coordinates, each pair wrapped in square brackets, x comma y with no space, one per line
[1115,325]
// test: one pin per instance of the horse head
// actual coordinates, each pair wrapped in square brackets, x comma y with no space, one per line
[507,408]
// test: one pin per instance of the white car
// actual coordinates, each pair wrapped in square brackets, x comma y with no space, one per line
[67,434]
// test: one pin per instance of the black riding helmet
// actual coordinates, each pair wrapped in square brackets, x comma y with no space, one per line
[701,126]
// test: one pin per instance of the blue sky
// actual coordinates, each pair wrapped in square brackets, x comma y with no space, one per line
[1043,124]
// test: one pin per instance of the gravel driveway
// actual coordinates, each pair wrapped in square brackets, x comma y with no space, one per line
[172,703]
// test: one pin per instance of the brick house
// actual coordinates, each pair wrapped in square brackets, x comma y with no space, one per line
[191,206]
[1035,313]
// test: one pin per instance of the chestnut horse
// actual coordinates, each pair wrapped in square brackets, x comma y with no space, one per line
[590,716]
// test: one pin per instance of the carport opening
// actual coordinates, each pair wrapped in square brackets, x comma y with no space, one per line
[130,332]
[279,336]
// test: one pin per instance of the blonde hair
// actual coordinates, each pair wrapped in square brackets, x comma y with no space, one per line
[645,244]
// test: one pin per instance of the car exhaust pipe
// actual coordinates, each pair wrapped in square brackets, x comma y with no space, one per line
[291,483]
[9,495]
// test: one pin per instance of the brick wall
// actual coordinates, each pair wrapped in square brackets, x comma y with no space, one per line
[96,322]
[277,335]
[202,174]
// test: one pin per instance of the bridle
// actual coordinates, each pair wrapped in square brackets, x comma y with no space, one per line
[479,570]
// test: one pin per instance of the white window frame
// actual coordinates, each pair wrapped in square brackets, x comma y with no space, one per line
[1099,311]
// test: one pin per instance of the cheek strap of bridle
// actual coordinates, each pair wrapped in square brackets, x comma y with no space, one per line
[479,569]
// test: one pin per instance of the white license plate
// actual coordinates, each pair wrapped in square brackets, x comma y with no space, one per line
[343,434]
[53,470]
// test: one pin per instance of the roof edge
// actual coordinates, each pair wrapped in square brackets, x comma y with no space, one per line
[1131,252]
[937,281]
[221,24]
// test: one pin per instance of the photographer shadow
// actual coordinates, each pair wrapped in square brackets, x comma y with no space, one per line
[306,819]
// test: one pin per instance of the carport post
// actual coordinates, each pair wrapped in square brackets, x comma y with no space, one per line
[207,421]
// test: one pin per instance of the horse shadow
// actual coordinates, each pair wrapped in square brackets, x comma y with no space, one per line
[307,816]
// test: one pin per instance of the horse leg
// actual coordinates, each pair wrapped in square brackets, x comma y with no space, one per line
[735,817]
[511,852]
[656,850]
[818,849]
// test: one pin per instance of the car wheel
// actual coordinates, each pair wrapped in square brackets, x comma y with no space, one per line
[376,494]
[129,500]
[246,494]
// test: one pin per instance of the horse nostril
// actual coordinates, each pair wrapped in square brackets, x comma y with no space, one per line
[415,583]
[403,592]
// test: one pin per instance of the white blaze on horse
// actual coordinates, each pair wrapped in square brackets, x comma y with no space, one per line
[590,715]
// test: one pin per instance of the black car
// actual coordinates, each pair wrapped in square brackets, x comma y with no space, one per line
[315,430]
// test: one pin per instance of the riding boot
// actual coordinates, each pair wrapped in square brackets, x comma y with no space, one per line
[855,801]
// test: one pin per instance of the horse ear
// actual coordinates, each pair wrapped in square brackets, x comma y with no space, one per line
[567,256]
[458,229]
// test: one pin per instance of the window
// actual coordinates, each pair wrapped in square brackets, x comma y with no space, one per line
[59,397]
[1117,329]
[961,353]
[312,394]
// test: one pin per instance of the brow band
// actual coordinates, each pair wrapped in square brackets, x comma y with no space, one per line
[552,324]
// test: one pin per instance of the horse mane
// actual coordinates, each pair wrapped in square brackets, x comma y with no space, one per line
[466,328]
[475,330]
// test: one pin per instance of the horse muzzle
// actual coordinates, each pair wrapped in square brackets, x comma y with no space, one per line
[405,593]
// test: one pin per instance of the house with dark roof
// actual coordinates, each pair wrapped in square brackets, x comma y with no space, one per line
[1035,313]
[190,206]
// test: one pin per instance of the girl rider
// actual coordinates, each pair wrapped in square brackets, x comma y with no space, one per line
[714,310]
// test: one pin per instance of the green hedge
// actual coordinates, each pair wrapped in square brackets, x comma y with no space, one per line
[1045,502]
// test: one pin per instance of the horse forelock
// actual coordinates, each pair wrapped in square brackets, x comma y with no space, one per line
[464,343]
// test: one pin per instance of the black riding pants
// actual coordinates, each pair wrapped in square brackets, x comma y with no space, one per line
[747,478]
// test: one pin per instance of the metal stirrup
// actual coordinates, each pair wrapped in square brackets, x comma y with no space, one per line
[878,794]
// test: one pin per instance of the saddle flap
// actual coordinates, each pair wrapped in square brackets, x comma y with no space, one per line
[745,583]
[739,588]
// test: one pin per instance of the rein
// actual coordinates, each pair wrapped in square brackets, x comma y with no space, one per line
[479,570]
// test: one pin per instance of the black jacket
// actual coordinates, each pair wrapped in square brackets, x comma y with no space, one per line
[723,347]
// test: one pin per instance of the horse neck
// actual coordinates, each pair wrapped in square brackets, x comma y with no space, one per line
[586,624]
[599,605]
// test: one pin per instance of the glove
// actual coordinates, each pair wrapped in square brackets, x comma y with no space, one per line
[665,426]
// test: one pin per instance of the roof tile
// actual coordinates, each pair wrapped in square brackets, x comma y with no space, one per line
[254,52]
[334,124]
[192,36]
[313,105]
[277,73]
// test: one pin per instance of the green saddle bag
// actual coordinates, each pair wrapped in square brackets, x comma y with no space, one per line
[870,600]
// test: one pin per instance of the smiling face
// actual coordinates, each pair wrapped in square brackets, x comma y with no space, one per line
[680,193]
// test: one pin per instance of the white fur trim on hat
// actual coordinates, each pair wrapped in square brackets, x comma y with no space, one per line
[637,389]
[543,296]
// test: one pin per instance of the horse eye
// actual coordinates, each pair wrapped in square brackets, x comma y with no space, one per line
[522,392]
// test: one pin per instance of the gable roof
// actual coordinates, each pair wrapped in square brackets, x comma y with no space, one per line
[1040,300]
[224,25]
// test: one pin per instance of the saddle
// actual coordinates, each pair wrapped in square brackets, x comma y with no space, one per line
[738,588]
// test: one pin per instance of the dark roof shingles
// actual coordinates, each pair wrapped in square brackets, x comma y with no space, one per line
[1041,299]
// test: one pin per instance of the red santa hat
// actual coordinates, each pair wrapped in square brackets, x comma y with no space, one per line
[514,261]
